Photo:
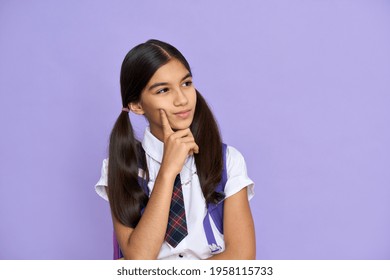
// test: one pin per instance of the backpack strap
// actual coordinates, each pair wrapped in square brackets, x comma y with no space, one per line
[142,176]
[117,250]
[215,211]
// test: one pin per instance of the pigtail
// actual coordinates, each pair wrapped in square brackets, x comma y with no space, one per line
[209,160]
[125,195]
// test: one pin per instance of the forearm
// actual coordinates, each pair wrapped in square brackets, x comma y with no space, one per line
[239,229]
[147,237]
[237,254]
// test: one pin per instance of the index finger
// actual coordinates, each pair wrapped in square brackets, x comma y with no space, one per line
[167,130]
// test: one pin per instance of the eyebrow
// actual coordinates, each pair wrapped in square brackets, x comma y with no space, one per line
[164,84]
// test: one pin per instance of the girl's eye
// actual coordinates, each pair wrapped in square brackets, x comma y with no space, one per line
[187,83]
[163,90]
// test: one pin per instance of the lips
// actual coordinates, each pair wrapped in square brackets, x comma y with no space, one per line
[183,114]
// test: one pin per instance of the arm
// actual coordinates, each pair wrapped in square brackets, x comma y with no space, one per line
[145,240]
[239,231]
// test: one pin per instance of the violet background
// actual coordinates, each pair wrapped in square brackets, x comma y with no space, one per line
[301,88]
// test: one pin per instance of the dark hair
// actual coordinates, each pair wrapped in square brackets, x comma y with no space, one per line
[125,194]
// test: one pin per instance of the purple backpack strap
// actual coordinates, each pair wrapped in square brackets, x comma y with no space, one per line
[142,180]
[215,211]
[144,185]
[117,250]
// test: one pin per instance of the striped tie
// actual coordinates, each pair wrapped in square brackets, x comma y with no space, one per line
[177,224]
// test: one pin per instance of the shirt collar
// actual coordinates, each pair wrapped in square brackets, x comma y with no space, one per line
[155,149]
[152,146]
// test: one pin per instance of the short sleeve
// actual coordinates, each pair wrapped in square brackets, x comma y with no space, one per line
[237,177]
[101,185]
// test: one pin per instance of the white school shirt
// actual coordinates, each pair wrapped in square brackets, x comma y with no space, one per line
[194,245]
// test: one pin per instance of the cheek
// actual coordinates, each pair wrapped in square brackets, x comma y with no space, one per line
[150,106]
[163,103]
[193,97]
[152,110]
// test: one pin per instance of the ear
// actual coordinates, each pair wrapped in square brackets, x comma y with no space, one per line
[136,108]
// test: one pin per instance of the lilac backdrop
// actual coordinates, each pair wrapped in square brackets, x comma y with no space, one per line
[301,88]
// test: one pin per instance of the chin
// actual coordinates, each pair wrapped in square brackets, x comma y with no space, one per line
[181,126]
[176,128]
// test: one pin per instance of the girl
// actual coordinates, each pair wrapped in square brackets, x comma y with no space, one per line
[162,191]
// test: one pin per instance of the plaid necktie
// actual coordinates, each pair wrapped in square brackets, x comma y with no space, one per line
[177,224]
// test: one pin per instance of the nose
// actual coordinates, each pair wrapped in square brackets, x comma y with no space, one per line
[180,98]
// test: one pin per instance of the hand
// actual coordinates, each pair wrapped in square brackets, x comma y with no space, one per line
[177,145]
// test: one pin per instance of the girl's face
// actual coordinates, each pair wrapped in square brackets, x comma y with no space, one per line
[170,89]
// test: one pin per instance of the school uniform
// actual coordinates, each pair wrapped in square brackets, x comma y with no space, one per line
[194,245]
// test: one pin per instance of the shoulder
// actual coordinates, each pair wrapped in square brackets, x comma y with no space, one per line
[234,160]
[232,153]
[237,175]
[101,185]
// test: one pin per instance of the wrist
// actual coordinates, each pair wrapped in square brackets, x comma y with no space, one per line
[167,173]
